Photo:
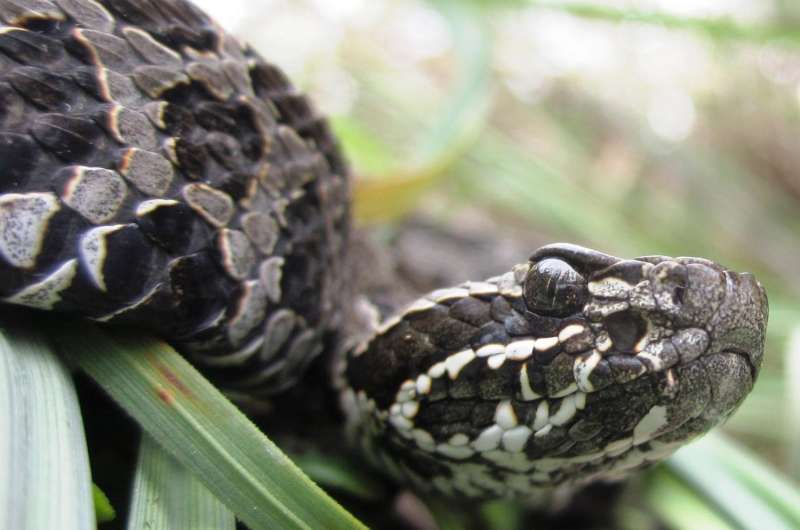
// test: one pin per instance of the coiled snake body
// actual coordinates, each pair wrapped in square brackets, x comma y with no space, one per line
[155,172]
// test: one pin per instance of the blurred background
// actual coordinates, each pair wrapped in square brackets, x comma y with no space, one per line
[648,127]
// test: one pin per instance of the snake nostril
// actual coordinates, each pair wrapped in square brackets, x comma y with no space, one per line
[626,329]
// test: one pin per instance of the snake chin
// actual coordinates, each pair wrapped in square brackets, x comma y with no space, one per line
[572,368]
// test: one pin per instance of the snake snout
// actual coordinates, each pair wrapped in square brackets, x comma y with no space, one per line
[740,323]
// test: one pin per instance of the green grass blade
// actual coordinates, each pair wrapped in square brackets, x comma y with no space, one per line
[103,510]
[168,497]
[206,433]
[707,467]
[780,493]
[723,29]
[337,474]
[678,505]
[792,400]
[45,480]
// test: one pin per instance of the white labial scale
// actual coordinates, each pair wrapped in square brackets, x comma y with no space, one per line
[520,350]
[407,391]
[489,350]
[525,385]
[410,409]
[505,416]
[424,383]
[93,252]
[47,293]
[542,414]
[580,400]
[401,423]
[565,412]
[654,420]
[570,331]
[514,440]
[437,370]
[423,439]
[458,439]
[488,439]
[457,361]
[496,361]
[455,452]
[545,343]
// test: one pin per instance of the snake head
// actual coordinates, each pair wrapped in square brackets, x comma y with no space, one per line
[664,310]
[573,367]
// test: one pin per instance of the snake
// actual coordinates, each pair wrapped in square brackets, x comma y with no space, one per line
[157,173]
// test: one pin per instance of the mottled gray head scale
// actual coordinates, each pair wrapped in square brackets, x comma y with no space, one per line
[573,367]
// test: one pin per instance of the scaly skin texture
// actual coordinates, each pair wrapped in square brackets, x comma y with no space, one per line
[576,366]
[155,172]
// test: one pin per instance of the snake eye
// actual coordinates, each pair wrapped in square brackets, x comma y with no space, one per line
[553,287]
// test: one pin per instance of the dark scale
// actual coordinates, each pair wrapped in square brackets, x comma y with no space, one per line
[149,97]
[155,173]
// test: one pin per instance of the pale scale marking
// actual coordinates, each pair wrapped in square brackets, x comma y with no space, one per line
[654,420]
[423,439]
[582,370]
[456,453]
[410,409]
[437,370]
[93,252]
[570,331]
[458,439]
[419,305]
[520,350]
[565,412]
[504,415]
[149,206]
[545,343]
[46,293]
[580,400]
[400,423]
[488,439]
[542,414]
[481,288]
[610,287]
[490,349]
[23,225]
[525,385]
[424,384]
[443,295]
[457,361]
[514,440]
[496,361]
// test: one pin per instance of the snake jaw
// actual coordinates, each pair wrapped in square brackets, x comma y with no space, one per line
[585,368]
